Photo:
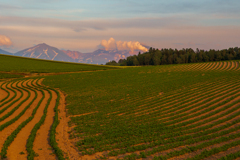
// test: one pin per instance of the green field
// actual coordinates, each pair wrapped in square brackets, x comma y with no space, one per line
[184,111]
[141,112]
[6,75]
[21,64]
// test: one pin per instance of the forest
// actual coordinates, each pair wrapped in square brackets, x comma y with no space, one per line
[174,56]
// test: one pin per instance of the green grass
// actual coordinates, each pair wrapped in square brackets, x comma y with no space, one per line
[7,75]
[20,64]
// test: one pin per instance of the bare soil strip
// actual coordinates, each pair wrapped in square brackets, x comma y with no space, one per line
[219,66]
[21,108]
[3,93]
[8,130]
[228,65]
[213,68]
[224,66]
[236,65]
[11,93]
[232,66]
[65,144]
[25,94]
[41,144]
[19,143]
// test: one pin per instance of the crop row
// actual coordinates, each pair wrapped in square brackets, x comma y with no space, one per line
[153,118]
[99,147]
[31,138]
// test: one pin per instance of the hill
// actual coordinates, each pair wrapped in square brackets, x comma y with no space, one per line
[5,52]
[21,64]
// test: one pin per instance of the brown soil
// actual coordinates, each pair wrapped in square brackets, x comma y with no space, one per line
[19,143]
[202,66]
[3,93]
[214,64]
[41,144]
[210,64]
[64,143]
[8,130]
[237,65]
[11,94]
[15,104]
[21,108]
[224,66]
[213,68]
[219,66]
[228,65]
[232,65]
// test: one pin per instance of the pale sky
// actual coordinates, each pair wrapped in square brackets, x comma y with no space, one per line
[82,25]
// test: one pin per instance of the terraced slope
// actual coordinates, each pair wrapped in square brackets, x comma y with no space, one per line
[188,111]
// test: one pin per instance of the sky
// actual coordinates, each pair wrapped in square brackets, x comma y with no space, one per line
[82,25]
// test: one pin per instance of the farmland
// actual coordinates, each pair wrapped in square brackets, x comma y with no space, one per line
[184,111]
[26,65]
[158,112]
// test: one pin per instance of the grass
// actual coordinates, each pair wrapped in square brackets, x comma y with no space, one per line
[7,75]
[15,64]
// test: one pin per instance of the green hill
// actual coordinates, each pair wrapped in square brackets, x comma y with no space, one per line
[20,64]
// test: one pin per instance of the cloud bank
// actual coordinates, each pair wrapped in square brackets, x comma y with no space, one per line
[111,44]
[5,41]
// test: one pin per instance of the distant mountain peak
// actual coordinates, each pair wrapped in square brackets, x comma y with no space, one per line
[44,51]
[5,52]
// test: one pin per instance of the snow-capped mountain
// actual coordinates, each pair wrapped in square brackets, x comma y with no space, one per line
[5,52]
[100,56]
[44,51]
[75,55]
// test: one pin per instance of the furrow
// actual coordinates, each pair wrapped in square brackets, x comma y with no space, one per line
[19,143]
[13,96]
[15,108]
[41,145]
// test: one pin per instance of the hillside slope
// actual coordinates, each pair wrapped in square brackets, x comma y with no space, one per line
[21,64]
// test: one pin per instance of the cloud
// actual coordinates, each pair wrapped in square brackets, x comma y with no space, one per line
[111,44]
[5,41]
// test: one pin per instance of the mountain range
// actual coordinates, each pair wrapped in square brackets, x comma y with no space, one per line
[5,52]
[44,51]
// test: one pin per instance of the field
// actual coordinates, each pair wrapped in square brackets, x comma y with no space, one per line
[29,65]
[158,112]
[186,111]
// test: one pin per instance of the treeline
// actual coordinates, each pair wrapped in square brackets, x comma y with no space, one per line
[174,56]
